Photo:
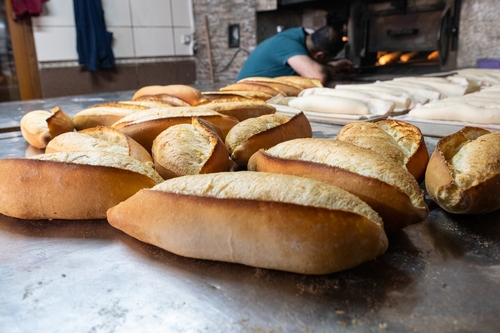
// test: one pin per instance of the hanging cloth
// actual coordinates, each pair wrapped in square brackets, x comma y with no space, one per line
[93,42]
[27,7]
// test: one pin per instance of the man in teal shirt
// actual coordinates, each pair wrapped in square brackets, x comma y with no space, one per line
[295,52]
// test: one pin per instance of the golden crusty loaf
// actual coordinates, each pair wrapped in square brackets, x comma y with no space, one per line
[387,187]
[241,110]
[250,135]
[252,86]
[263,96]
[303,82]
[258,219]
[397,140]
[40,126]
[73,186]
[175,94]
[463,174]
[290,89]
[105,114]
[189,149]
[146,125]
[101,138]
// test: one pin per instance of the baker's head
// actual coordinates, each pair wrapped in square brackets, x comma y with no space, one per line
[325,43]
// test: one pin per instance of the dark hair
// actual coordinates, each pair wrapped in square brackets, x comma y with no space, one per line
[327,39]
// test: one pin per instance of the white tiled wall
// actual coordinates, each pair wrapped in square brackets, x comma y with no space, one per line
[141,28]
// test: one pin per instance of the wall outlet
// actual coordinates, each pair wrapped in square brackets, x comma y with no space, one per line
[234,36]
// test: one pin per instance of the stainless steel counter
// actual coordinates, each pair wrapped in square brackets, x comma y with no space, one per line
[441,275]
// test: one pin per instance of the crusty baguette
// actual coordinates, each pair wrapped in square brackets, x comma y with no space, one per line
[40,126]
[102,138]
[463,174]
[241,110]
[189,149]
[145,126]
[397,140]
[250,135]
[263,96]
[252,86]
[387,187]
[303,82]
[104,114]
[257,219]
[175,94]
[73,186]
[290,89]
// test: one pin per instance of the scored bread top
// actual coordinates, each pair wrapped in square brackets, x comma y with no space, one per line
[101,158]
[156,113]
[183,148]
[266,186]
[476,160]
[352,158]
[249,127]
[369,135]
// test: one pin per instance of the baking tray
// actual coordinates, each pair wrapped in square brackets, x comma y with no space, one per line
[440,275]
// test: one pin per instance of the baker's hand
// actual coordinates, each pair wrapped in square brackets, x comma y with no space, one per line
[344,66]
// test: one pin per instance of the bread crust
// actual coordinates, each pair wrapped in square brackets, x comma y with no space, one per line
[398,140]
[253,87]
[175,94]
[242,143]
[105,114]
[259,233]
[145,127]
[290,89]
[188,149]
[397,207]
[301,81]
[442,180]
[40,126]
[101,138]
[242,110]
[39,189]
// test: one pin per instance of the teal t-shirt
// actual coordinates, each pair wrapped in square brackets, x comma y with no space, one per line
[270,57]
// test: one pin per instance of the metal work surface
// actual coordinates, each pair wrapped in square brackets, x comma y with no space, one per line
[441,275]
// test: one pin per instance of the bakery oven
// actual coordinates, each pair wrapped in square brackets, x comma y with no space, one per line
[403,37]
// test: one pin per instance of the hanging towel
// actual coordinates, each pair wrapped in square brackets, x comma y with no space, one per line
[93,42]
[27,7]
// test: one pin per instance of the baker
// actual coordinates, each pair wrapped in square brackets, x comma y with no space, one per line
[296,52]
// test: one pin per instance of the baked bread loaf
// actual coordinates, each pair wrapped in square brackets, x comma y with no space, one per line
[241,110]
[250,135]
[397,140]
[145,126]
[105,114]
[72,186]
[290,89]
[252,86]
[174,94]
[463,175]
[382,183]
[257,219]
[189,149]
[263,96]
[303,82]
[101,138]
[40,126]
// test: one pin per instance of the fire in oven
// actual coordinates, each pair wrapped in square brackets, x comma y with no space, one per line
[403,36]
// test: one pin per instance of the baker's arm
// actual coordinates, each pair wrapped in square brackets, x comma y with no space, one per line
[307,67]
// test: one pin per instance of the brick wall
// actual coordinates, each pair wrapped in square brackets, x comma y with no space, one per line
[226,62]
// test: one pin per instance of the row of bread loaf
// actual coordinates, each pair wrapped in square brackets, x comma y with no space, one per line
[306,191]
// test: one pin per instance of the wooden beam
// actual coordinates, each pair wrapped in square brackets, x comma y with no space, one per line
[23,47]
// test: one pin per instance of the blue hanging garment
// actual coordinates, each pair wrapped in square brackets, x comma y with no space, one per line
[93,42]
